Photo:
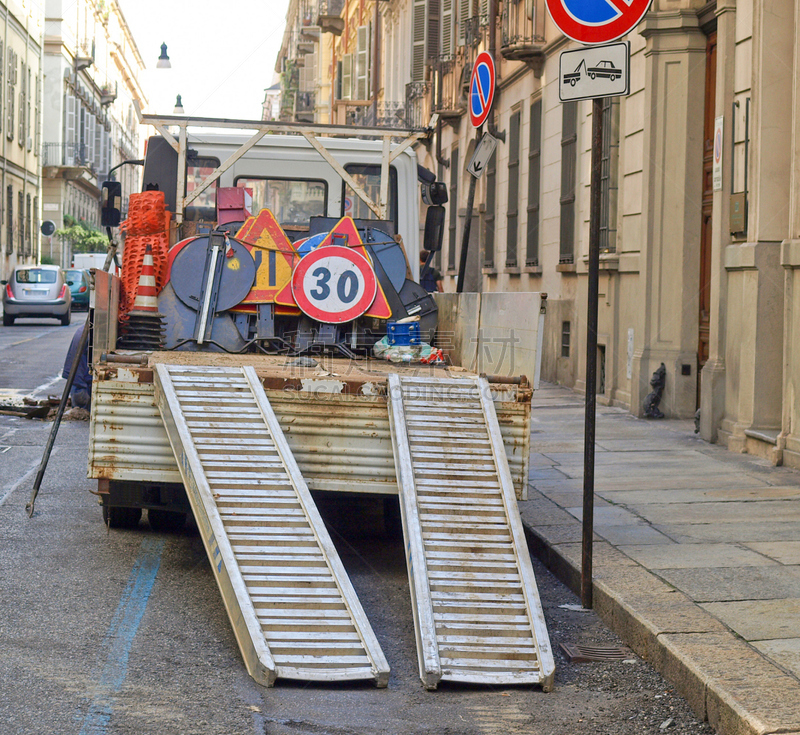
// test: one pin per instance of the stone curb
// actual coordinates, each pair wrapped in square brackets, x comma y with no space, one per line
[725,681]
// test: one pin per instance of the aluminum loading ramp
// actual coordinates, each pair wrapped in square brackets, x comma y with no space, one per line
[288,597]
[476,606]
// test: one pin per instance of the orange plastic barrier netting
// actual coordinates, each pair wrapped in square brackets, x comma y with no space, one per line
[147,224]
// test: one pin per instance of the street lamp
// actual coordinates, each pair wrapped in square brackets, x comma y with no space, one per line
[163,60]
[178,106]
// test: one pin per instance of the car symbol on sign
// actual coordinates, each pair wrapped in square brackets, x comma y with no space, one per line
[604,70]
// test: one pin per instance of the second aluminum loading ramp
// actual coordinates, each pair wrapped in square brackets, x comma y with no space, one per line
[288,597]
[476,606]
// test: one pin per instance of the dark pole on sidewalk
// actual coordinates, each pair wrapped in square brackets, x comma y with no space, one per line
[462,267]
[591,355]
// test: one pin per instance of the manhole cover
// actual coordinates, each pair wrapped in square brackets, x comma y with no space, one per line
[579,653]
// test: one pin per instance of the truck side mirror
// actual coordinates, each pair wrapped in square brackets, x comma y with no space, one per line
[110,202]
[434,229]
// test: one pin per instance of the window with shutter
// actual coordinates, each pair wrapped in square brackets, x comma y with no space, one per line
[512,206]
[10,219]
[91,130]
[10,82]
[569,145]
[433,30]
[453,210]
[464,16]
[98,146]
[534,178]
[447,28]
[21,223]
[29,94]
[347,76]
[362,62]
[490,216]
[419,29]
[70,124]
[23,106]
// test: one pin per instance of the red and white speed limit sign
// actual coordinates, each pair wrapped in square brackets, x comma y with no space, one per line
[334,284]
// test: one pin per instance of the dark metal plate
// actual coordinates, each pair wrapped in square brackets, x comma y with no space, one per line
[188,274]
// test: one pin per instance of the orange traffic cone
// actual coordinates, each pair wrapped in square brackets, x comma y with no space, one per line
[146,292]
[143,327]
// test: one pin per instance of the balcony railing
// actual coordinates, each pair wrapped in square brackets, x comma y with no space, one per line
[66,154]
[448,97]
[523,36]
[329,18]
[418,104]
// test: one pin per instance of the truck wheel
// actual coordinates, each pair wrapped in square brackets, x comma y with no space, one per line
[8,320]
[65,320]
[166,521]
[118,517]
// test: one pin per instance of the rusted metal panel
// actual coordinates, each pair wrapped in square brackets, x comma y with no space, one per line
[342,442]
[127,439]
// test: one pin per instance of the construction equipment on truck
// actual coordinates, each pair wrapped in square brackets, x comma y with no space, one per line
[206,400]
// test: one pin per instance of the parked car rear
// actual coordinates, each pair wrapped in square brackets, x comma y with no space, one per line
[78,282]
[37,291]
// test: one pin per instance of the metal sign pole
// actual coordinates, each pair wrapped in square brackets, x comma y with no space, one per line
[462,266]
[591,354]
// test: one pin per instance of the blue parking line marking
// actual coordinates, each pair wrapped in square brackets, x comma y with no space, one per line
[119,637]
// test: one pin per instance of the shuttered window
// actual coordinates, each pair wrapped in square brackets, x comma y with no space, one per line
[447,28]
[9,219]
[11,80]
[453,215]
[512,208]
[347,76]
[534,183]
[362,63]
[608,175]
[418,41]
[490,216]
[569,149]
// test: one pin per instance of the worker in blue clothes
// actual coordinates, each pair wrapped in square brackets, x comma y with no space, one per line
[81,391]
[430,279]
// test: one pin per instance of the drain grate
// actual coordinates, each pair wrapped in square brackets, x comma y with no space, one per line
[578,653]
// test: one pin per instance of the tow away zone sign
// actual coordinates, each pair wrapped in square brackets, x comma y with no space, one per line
[594,71]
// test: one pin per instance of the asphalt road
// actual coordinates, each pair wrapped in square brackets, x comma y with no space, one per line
[124,631]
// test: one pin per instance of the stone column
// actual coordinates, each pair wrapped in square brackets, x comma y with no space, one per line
[755,320]
[712,389]
[672,191]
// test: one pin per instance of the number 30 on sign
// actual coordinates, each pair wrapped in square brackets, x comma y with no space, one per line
[334,284]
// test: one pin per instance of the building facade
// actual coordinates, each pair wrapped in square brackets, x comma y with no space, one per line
[92,76]
[21,121]
[699,253]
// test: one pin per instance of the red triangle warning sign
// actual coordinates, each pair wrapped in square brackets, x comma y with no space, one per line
[344,233]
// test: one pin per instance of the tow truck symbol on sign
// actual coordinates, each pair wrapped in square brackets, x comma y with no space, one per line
[604,70]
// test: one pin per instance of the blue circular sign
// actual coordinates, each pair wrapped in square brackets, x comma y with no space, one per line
[481,89]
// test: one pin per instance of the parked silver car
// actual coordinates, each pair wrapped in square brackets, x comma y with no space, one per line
[38,291]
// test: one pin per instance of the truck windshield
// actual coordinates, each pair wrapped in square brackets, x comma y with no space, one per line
[368,177]
[197,170]
[292,201]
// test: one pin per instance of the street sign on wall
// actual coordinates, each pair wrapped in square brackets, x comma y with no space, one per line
[481,89]
[594,71]
[596,21]
[482,155]
[719,123]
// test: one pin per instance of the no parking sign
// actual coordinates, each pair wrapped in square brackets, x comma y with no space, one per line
[481,89]
[597,21]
